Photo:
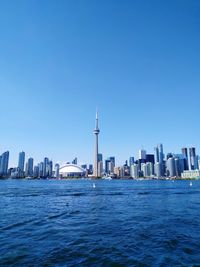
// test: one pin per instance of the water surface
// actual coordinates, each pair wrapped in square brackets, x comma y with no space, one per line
[117,223]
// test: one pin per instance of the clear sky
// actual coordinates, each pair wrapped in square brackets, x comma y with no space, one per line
[138,61]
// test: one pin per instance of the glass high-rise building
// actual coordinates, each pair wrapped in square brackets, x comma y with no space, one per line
[50,169]
[150,168]
[161,154]
[45,167]
[142,154]
[100,157]
[4,160]
[109,165]
[158,169]
[179,164]
[21,161]
[90,169]
[112,159]
[107,162]
[150,158]
[134,171]
[193,158]
[36,171]
[185,155]
[41,169]
[131,161]
[156,154]
[171,171]
[57,168]
[159,158]
[29,167]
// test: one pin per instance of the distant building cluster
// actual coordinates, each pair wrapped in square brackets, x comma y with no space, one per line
[44,169]
[185,165]
[157,165]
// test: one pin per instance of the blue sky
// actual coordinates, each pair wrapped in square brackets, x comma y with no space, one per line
[137,61]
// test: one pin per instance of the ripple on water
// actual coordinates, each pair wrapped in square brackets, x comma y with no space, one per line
[16,225]
[120,223]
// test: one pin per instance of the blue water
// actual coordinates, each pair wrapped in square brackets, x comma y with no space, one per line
[117,223]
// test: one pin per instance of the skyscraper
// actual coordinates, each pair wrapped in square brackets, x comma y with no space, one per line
[144,169]
[4,163]
[158,170]
[46,167]
[179,164]
[90,169]
[134,171]
[150,158]
[185,155]
[150,168]
[100,168]
[57,167]
[112,159]
[36,171]
[109,165]
[161,155]
[50,169]
[100,157]
[171,170]
[29,167]
[159,158]
[142,154]
[41,169]
[96,132]
[131,161]
[21,161]
[193,158]
[156,154]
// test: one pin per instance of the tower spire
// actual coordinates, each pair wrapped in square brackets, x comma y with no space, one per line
[97,119]
[96,132]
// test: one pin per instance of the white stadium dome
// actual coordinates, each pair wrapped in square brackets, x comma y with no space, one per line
[72,170]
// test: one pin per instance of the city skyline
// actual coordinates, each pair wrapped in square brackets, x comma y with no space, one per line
[160,164]
[137,61]
[14,154]
[153,166]
[159,155]
[140,153]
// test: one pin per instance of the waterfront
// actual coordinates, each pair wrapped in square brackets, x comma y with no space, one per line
[117,223]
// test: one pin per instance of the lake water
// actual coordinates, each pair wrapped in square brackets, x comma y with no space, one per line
[117,223]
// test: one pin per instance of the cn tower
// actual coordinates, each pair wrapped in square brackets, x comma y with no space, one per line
[96,132]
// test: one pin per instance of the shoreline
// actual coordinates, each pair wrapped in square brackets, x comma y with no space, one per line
[100,179]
